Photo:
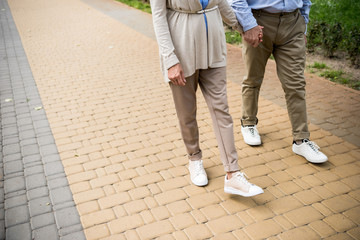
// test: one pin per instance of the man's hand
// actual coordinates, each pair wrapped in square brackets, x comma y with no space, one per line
[254,36]
[176,75]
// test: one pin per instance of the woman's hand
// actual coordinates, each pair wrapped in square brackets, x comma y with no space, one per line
[176,75]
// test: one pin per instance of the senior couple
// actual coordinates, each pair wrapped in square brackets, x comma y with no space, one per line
[192,48]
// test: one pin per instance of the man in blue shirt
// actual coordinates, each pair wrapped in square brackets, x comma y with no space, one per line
[276,27]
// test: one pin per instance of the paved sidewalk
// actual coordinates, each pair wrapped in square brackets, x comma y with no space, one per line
[107,130]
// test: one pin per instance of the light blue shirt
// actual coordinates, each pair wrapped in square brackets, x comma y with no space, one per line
[242,9]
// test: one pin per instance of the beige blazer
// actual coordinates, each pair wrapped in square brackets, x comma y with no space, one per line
[181,33]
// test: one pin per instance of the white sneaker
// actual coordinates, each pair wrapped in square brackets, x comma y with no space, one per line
[197,173]
[251,135]
[239,185]
[310,151]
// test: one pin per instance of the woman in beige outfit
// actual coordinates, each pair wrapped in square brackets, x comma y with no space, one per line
[192,47]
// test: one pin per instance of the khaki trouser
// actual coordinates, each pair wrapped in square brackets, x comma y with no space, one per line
[212,82]
[284,38]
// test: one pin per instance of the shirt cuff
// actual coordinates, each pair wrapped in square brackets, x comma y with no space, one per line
[171,60]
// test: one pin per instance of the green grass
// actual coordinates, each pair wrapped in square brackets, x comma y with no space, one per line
[318,65]
[233,37]
[138,4]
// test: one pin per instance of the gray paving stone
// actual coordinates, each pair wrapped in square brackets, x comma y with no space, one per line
[13,166]
[14,184]
[57,183]
[37,169]
[15,201]
[46,233]
[40,206]
[48,150]
[16,215]
[37,193]
[61,195]
[35,181]
[74,236]
[2,227]
[70,229]
[44,140]
[30,150]
[31,159]
[11,157]
[11,149]
[53,168]
[66,217]
[14,139]
[19,232]
[42,220]
[51,158]
[26,142]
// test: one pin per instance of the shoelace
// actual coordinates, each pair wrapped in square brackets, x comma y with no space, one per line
[199,169]
[252,130]
[242,177]
[312,145]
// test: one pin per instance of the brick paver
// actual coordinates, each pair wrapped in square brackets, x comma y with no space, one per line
[115,129]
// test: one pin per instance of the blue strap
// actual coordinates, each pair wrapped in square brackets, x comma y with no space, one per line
[204,4]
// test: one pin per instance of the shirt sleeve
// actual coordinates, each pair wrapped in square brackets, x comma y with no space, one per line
[228,16]
[161,28]
[243,14]
[305,11]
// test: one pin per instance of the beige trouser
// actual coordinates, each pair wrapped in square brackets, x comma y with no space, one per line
[212,82]
[284,38]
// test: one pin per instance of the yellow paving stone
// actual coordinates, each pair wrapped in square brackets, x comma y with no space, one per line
[260,213]
[301,170]
[113,200]
[280,176]
[323,192]
[178,207]
[263,229]
[353,182]
[299,233]
[96,164]
[202,200]
[355,232]
[97,232]
[283,222]
[103,181]
[119,211]
[182,221]
[284,204]
[82,176]
[257,171]
[224,224]
[170,196]
[199,231]
[240,234]
[88,195]
[213,211]
[160,213]
[115,237]
[123,186]
[339,222]
[347,170]
[338,187]
[327,176]
[109,190]
[307,197]
[303,216]
[340,203]
[353,214]
[245,218]
[289,187]
[147,216]
[198,216]
[98,217]
[122,224]
[135,206]
[151,202]
[158,166]
[80,187]
[173,183]
[321,228]
[88,207]
[228,236]
[180,235]
[192,190]
[147,179]
[276,192]
[323,209]
[340,236]
[155,229]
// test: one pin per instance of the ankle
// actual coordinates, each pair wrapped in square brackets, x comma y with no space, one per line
[229,174]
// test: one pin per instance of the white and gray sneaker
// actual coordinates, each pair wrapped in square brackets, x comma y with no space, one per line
[310,151]
[239,185]
[197,173]
[251,135]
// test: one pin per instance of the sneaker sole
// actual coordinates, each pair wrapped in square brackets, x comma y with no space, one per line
[309,160]
[241,193]
[252,143]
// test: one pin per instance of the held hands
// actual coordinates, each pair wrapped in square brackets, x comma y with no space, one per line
[254,36]
[176,75]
